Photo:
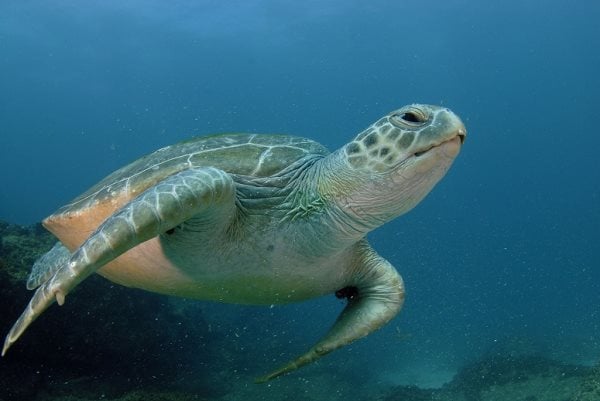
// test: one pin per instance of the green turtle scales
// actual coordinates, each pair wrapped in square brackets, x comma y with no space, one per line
[254,219]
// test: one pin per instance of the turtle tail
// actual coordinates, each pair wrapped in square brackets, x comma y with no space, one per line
[375,297]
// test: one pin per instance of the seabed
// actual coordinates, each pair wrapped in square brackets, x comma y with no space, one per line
[141,346]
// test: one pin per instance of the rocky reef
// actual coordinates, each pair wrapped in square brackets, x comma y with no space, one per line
[496,377]
[19,247]
[111,334]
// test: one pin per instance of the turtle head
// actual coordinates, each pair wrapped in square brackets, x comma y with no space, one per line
[394,163]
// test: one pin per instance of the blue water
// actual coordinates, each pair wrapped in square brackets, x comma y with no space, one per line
[505,248]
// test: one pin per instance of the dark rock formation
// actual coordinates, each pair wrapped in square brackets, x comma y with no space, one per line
[104,333]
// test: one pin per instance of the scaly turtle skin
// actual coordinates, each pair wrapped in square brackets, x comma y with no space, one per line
[254,219]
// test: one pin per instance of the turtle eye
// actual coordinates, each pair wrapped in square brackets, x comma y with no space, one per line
[409,117]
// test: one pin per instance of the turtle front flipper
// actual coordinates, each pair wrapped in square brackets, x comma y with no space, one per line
[375,296]
[156,210]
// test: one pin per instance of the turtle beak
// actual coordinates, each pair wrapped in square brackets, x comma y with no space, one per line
[462,134]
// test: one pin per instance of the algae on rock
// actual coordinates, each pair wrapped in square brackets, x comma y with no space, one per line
[19,247]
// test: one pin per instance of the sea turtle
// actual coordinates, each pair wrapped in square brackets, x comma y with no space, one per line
[254,219]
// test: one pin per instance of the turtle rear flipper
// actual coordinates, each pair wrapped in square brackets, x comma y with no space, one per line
[167,204]
[374,298]
[47,265]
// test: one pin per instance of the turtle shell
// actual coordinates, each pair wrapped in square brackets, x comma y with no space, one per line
[250,155]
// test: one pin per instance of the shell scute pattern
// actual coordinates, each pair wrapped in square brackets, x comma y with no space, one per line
[241,154]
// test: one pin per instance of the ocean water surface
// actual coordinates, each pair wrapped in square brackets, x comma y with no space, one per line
[502,257]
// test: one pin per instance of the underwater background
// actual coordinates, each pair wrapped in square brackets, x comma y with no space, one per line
[501,261]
